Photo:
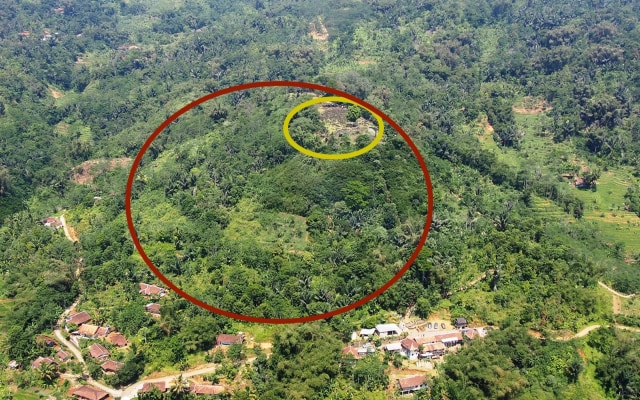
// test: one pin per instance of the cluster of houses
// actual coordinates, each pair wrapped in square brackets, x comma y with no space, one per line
[148,290]
[86,392]
[97,351]
[61,356]
[422,340]
[81,328]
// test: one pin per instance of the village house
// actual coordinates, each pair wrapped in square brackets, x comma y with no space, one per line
[13,364]
[384,330]
[98,351]
[395,347]
[63,355]
[351,350]
[410,348]
[224,339]
[450,339]
[88,331]
[79,318]
[85,392]
[42,361]
[151,290]
[51,222]
[367,333]
[460,323]
[412,384]
[46,341]
[111,366]
[207,389]
[150,386]
[117,339]
[432,350]
[153,308]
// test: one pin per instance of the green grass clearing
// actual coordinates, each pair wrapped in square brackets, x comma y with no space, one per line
[267,228]
[630,306]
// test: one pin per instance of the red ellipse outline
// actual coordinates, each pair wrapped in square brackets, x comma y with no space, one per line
[248,318]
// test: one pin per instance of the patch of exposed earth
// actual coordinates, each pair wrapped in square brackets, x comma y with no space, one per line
[334,118]
[86,172]
[56,94]
[531,106]
[318,31]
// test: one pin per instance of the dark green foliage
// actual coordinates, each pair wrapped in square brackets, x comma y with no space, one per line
[509,363]
[617,370]
[304,360]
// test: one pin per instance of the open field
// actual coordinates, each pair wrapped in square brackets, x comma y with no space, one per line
[630,306]
[267,228]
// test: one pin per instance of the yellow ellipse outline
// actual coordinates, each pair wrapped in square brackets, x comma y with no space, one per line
[327,156]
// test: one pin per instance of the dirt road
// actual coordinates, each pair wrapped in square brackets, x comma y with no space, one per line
[624,296]
[67,231]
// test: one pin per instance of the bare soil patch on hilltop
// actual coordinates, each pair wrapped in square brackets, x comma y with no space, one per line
[334,118]
[86,172]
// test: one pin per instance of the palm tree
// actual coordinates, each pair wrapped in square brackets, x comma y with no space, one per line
[179,387]
[48,373]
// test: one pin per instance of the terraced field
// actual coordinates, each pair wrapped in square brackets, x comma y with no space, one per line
[550,210]
[604,207]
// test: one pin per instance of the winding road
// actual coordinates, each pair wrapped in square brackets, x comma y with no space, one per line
[624,296]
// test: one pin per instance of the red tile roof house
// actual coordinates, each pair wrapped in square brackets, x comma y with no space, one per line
[225,340]
[42,360]
[412,384]
[450,339]
[410,348]
[117,339]
[351,350]
[52,222]
[432,350]
[150,386]
[98,351]
[63,355]
[88,393]
[90,331]
[207,389]
[79,318]
[151,290]
[153,308]
[111,366]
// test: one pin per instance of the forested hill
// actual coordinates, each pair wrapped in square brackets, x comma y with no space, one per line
[527,114]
